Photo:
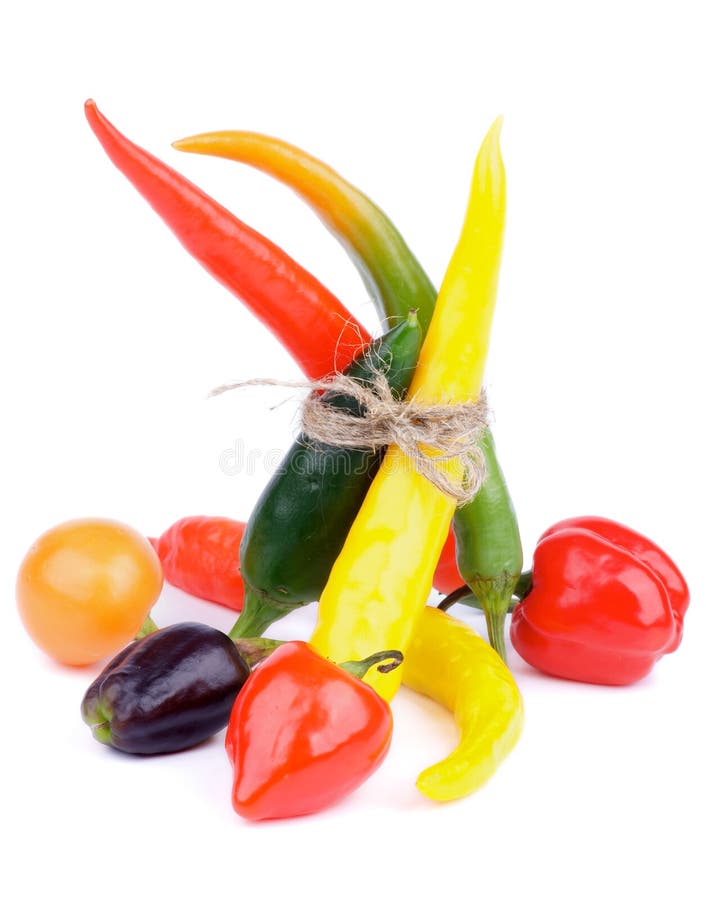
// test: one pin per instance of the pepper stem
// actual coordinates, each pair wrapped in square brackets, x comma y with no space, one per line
[495,596]
[149,626]
[254,650]
[359,667]
[256,616]
[463,595]
[524,584]
[466,596]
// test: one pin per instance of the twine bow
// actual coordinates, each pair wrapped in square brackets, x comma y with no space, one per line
[449,431]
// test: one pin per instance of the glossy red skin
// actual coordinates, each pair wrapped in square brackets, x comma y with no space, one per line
[647,552]
[447,578]
[606,603]
[200,555]
[308,320]
[303,734]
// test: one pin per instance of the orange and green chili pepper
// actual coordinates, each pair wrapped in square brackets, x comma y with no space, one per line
[395,280]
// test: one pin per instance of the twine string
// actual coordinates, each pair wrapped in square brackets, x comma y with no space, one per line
[428,435]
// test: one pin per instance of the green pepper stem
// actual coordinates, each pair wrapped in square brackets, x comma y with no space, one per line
[495,623]
[495,596]
[524,584]
[149,626]
[463,595]
[256,616]
[254,650]
[466,596]
[359,667]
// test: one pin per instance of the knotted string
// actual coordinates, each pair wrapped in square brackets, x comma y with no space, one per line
[427,434]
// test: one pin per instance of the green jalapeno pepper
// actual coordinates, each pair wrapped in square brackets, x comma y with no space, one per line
[301,519]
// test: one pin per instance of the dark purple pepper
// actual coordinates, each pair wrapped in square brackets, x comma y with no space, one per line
[167,691]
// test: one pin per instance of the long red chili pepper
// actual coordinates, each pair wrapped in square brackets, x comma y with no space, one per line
[306,317]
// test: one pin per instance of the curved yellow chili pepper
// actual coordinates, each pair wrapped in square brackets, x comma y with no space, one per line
[447,661]
[382,578]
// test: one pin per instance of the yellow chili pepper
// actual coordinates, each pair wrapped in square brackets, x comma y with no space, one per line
[447,661]
[382,578]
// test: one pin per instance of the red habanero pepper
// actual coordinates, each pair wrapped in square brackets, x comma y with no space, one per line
[304,732]
[310,322]
[200,555]
[605,604]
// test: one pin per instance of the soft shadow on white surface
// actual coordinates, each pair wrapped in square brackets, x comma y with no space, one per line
[114,336]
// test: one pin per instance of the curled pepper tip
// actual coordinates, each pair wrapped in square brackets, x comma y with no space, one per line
[359,667]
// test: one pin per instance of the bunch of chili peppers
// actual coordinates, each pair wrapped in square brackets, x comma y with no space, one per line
[367,539]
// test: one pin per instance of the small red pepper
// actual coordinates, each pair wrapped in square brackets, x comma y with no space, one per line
[446,577]
[304,733]
[606,603]
[200,555]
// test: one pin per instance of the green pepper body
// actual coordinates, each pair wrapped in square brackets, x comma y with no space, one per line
[488,546]
[301,520]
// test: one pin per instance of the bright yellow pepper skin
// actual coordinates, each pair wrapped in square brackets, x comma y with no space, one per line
[447,661]
[381,580]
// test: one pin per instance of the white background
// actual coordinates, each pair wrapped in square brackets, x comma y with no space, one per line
[112,337]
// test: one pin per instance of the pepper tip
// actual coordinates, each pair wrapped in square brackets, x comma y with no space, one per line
[495,129]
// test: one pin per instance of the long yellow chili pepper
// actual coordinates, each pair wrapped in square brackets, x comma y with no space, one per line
[381,580]
[447,661]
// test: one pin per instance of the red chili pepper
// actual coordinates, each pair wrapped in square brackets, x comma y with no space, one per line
[304,733]
[306,317]
[200,555]
[446,577]
[606,603]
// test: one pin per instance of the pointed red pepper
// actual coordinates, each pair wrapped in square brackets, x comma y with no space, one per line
[304,732]
[201,555]
[309,321]
[606,603]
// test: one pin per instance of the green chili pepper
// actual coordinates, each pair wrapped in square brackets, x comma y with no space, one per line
[488,547]
[301,520]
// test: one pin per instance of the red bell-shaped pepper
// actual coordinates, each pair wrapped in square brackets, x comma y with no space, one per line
[606,603]
[305,732]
